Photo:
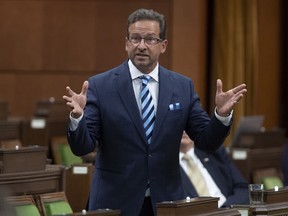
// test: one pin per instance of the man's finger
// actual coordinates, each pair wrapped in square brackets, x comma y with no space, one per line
[69,90]
[219,86]
[241,88]
[84,88]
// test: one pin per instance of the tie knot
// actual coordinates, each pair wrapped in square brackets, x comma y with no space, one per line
[145,79]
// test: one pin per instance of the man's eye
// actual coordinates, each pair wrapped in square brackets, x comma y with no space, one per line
[150,39]
[135,38]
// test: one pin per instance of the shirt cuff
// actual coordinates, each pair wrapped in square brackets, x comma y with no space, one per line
[225,120]
[74,122]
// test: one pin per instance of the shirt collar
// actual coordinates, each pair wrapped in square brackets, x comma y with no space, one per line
[190,152]
[135,73]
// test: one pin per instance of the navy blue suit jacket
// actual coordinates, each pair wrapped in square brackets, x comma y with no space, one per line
[227,177]
[285,165]
[124,162]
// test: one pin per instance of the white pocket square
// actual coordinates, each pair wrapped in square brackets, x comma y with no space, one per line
[174,106]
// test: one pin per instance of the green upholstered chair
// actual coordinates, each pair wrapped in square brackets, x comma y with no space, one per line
[25,210]
[57,208]
[23,205]
[62,153]
[270,182]
[54,204]
[67,156]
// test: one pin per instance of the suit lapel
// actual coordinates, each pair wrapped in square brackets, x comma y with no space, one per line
[123,83]
[165,94]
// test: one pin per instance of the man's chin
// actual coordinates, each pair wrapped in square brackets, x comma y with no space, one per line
[141,63]
[143,67]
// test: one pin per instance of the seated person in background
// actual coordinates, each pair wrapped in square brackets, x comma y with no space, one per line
[221,178]
[285,165]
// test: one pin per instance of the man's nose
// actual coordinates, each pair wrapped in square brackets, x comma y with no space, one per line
[142,43]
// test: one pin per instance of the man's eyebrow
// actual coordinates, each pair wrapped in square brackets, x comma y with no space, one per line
[146,35]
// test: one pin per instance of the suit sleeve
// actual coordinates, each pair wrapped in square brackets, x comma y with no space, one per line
[84,139]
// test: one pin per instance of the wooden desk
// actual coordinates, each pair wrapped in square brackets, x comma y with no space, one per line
[81,176]
[220,212]
[263,139]
[23,159]
[276,209]
[200,206]
[276,203]
[187,207]
[104,212]
[42,135]
[9,129]
[51,108]
[279,209]
[250,160]
[272,196]
[34,131]
[37,182]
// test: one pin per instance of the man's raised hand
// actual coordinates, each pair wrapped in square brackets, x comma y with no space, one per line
[225,101]
[76,101]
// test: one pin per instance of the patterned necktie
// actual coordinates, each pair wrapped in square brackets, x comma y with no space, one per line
[196,176]
[147,108]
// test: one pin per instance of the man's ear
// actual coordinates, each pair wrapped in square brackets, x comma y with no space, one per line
[126,44]
[164,46]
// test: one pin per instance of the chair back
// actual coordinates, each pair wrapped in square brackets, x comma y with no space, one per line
[23,205]
[62,153]
[54,204]
[271,182]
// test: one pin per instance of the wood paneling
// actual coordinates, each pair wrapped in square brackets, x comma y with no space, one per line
[188,44]
[268,90]
[47,45]
[21,35]
[284,64]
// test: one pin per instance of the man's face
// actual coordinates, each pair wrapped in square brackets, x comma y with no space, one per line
[144,55]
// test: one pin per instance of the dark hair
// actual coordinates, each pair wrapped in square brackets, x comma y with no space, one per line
[148,14]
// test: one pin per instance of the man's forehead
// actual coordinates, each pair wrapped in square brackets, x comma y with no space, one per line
[147,26]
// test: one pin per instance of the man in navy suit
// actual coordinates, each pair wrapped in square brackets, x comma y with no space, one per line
[221,177]
[132,173]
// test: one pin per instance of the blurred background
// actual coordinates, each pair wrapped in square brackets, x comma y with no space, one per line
[47,45]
